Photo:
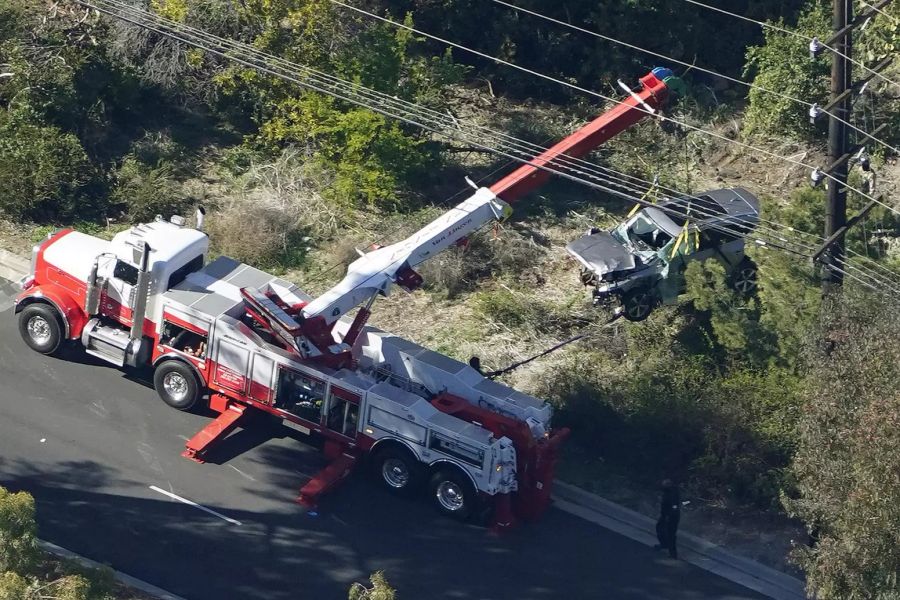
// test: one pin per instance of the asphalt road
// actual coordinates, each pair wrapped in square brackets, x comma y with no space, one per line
[89,440]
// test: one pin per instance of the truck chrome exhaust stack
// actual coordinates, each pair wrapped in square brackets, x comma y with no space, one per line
[140,296]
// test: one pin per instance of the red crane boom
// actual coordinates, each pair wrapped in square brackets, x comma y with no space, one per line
[529,177]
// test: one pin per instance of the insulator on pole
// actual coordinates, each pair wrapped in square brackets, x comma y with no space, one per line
[816,177]
[815,47]
[815,111]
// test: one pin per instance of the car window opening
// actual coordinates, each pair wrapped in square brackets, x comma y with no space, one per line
[646,235]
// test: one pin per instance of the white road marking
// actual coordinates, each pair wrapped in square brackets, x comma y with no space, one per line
[194,504]
[242,473]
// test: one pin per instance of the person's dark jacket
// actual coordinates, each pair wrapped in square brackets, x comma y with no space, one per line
[670,503]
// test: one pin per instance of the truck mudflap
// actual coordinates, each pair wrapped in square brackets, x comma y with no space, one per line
[536,483]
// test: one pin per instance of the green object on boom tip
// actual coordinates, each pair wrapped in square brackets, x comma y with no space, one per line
[676,86]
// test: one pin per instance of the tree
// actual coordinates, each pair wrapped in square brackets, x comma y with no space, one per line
[44,173]
[380,589]
[782,64]
[18,532]
[848,462]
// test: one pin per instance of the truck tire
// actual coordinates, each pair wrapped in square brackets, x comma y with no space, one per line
[397,469]
[453,493]
[176,384]
[41,327]
[638,304]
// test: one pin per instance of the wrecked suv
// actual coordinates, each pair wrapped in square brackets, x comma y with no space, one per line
[640,264]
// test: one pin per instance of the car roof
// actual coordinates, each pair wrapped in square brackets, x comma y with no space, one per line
[730,208]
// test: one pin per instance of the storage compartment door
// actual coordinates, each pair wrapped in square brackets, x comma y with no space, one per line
[232,366]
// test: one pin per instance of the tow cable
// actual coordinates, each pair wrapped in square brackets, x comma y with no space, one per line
[516,365]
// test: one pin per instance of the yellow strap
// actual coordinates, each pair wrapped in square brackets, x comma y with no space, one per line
[637,207]
[684,236]
[676,245]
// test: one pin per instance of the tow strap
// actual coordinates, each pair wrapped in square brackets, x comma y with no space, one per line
[516,365]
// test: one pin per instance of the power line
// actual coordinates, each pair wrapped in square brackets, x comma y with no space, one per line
[797,34]
[338,88]
[607,98]
[248,52]
[748,84]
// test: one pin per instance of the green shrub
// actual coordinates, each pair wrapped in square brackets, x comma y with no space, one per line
[783,65]
[44,173]
[144,191]
[18,532]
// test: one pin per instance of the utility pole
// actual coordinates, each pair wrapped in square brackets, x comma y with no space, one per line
[841,82]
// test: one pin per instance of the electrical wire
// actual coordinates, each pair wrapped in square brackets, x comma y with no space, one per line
[607,98]
[797,34]
[244,47]
[445,122]
[879,11]
[748,84]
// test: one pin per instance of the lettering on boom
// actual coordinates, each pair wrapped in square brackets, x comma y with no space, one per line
[450,232]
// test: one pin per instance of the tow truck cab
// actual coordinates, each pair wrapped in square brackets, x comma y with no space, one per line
[106,293]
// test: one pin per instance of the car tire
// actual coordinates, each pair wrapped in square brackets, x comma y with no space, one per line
[40,325]
[638,304]
[452,493]
[396,469]
[744,278]
[177,385]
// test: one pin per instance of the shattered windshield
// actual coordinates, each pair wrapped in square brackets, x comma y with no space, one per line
[645,235]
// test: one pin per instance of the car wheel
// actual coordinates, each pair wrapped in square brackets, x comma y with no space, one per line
[744,280]
[638,304]
[41,328]
[452,493]
[176,385]
[396,469]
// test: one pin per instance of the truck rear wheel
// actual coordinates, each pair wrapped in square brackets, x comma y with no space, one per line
[397,469]
[176,384]
[452,493]
[41,328]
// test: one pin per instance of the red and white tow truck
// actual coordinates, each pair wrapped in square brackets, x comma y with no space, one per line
[237,338]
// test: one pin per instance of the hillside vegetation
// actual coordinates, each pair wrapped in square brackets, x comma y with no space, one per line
[102,125]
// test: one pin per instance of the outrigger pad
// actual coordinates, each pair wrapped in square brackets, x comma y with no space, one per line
[327,479]
[214,431]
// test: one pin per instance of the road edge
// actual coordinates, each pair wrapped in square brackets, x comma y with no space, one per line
[123,578]
[692,549]
[12,266]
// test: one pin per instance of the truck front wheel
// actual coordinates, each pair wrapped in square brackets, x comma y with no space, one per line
[41,328]
[453,494]
[176,384]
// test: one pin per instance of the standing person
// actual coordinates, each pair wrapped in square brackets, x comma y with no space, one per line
[669,515]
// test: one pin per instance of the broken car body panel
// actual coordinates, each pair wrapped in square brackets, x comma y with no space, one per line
[650,250]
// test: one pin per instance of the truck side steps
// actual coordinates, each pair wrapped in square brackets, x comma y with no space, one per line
[108,343]
[327,479]
[214,431]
